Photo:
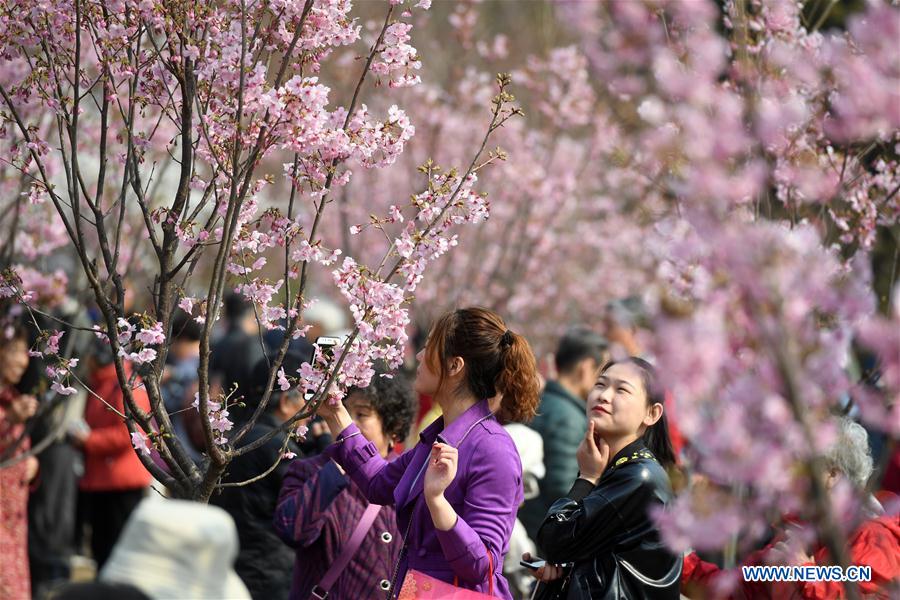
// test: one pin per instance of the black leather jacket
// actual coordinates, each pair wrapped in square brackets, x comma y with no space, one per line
[607,532]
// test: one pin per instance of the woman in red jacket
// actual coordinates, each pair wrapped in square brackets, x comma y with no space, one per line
[875,543]
[114,480]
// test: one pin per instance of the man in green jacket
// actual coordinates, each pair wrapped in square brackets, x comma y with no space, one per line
[561,418]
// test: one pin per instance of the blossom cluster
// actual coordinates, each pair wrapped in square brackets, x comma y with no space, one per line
[218,418]
[398,59]
[135,341]
[753,298]
[735,184]
[380,306]
[58,368]
[736,344]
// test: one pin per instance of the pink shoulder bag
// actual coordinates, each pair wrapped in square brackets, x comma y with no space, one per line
[419,586]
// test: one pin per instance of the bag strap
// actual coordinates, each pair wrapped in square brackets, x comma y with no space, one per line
[490,573]
[403,548]
[337,567]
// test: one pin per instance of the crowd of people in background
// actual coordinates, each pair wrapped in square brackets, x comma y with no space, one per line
[447,474]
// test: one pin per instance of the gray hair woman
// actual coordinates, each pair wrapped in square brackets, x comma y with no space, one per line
[849,459]
[849,456]
[875,542]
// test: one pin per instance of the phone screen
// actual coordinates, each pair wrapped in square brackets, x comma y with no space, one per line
[326,346]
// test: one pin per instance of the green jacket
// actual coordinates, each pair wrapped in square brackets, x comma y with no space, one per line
[561,421]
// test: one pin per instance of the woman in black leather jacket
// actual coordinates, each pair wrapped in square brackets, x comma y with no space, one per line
[603,526]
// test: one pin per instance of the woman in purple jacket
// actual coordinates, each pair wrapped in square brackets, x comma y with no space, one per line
[457,492]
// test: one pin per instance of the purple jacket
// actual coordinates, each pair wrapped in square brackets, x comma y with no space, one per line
[486,494]
[318,509]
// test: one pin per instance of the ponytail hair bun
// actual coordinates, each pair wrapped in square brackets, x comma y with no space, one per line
[518,381]
[497,360]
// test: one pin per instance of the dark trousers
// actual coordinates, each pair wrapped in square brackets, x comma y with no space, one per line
[106,513]
[51,517]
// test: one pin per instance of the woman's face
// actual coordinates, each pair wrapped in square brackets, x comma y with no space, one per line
[618,403]
[13,361]
[427,381]
[369,421]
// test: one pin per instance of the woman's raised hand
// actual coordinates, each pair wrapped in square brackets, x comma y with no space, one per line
[439,474]
[336,416]
[441,469]
[593,454]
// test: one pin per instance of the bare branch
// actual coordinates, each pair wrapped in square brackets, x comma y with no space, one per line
[265,473]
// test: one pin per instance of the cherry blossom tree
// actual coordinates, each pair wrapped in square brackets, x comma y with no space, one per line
[768,175]
[732,167]
[619,136]
[202,138]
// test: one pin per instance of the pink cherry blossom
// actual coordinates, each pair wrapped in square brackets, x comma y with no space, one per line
[53,342]
[718,176]
[63,390]
[139,442]
[152,336]
[125,332]
[187,304]
[283,382]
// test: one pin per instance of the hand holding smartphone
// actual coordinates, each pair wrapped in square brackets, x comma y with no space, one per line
[542,571]
[533,564]
[326,345]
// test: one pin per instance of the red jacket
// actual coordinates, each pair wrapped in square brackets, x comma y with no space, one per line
[891,481]
[110,461]
[876,544]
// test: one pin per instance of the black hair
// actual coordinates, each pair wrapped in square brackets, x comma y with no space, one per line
[259,376]
[101,351]
[394,401]
[656,437]
[184,328]
[98,590]
[15,331]
[236,306]
[577,344]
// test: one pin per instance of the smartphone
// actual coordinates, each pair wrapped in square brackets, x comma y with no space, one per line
[326,344]
[534,564]
[537,563]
